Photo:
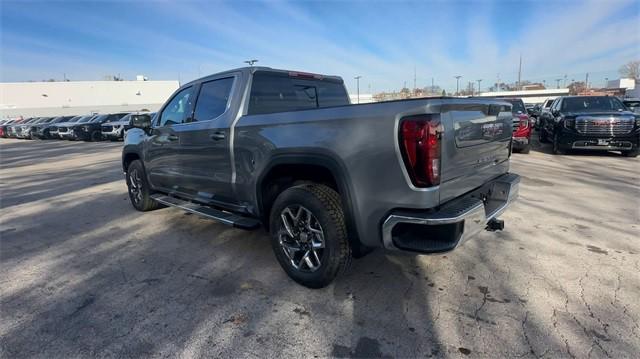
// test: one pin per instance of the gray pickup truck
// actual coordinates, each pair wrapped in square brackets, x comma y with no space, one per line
[330,180]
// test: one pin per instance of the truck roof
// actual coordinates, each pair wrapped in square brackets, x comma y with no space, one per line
[253,69]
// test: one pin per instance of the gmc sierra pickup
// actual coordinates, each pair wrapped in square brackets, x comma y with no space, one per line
[329,180]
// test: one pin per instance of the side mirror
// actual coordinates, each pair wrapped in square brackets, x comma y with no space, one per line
[142,122]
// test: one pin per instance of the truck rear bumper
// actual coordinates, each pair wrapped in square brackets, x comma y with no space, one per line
[453,223]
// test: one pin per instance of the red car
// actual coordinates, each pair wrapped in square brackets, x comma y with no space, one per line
[522,126]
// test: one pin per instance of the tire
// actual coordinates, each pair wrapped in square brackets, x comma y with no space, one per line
[556,145]
[139,189]
[96,136]
[631,153]
[308,221]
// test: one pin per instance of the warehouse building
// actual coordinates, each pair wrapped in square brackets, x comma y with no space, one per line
[529,96]
[30,99]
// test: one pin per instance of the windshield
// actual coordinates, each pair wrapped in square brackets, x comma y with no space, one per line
[100,118]
[516,105]
[126,118]
[591,103]
[85,119]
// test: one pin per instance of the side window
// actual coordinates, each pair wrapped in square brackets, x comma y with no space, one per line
[178,108]
[213,98]
[556,105]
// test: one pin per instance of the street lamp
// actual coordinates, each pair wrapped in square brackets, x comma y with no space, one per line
[251,62]
[458,84]
[357,78]
[479,81]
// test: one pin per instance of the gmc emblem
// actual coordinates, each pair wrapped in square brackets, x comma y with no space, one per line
[604,123]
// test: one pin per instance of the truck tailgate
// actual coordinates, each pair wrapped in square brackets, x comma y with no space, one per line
[479,149]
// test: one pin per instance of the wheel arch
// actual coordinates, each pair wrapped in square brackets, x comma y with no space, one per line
[286,170]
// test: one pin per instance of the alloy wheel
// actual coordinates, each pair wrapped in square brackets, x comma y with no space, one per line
[135,186]
[301,238]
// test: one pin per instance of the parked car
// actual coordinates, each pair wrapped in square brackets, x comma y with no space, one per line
[26,130]
[42,130]
[15,130]
[53,129]
[633,104]
[522,126]
[544,112]
[65,129]
[4,126]
[91,130]
[599,123]
[328,179]
[116,130]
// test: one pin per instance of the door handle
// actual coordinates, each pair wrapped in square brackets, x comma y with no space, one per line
[218,136]
[172,138]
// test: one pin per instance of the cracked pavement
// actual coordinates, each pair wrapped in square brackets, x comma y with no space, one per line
[83,274]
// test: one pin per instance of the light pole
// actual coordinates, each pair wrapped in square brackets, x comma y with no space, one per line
[251,62]
[479,81]
[357,78]
[457,84]
[558,83]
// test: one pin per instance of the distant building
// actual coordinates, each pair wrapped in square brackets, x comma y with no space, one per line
[629,87]
[29,99]
[364,98]
[529,96]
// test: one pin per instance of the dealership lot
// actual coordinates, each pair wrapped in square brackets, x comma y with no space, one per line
[83,274]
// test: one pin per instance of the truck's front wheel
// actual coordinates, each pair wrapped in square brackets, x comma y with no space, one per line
[309,235]
[139,189]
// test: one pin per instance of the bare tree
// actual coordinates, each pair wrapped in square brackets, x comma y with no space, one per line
[630,70]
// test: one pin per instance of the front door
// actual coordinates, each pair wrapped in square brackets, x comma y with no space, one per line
[204,153]
[162,164]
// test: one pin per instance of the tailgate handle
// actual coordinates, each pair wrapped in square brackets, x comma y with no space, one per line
[216,136]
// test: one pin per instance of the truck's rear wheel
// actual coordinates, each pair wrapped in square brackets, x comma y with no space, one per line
[139,189]
[309,235]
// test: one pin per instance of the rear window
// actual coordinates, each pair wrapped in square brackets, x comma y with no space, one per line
[278,92]
[516,106]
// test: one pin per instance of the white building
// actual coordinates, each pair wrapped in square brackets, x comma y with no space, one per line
[529,96]
[629,85]
[364,98]
[29,99]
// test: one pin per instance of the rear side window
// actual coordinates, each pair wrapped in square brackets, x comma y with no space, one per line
[278,92]
[213,98]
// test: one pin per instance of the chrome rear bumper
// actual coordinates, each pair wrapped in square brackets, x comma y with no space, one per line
[453,223]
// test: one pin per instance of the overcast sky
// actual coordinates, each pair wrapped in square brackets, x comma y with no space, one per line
[381,41]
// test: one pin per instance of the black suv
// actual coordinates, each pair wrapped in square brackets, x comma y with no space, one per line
[91,130]
[591,123]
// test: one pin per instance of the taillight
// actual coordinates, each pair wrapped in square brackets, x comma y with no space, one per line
[420,138]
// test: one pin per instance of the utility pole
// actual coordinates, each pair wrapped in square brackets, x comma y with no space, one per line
[457,84]
[414,79]
[519,73]
[357,78]
[479,81]
[251,62]
[586,81]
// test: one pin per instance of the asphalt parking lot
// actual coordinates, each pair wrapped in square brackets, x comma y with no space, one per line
[83,274]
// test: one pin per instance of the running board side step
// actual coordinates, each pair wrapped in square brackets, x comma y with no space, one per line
[207,212]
